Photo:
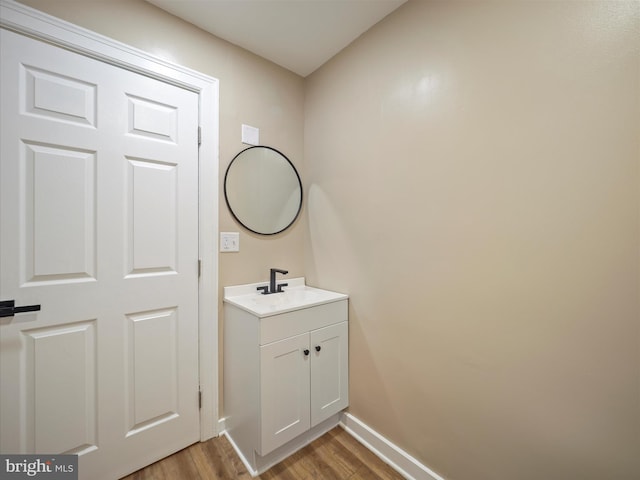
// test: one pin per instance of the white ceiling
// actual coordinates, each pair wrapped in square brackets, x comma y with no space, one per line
[299,35]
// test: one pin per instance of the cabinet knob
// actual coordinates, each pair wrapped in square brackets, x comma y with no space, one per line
[306,352]
[318,348]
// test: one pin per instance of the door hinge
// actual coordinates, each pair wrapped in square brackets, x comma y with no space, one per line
[199,136]
[199,267]
[200,399]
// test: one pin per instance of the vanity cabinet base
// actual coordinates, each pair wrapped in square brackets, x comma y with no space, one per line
[286,379]
[257,464]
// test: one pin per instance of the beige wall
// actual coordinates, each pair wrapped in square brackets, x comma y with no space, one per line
[253,91]
[472,178]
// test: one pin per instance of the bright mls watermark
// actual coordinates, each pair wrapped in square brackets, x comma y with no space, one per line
[50,467]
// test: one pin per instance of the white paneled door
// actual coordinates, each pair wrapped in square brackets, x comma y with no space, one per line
[99,226]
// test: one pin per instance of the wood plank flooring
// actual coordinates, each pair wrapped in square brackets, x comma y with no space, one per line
[334,456]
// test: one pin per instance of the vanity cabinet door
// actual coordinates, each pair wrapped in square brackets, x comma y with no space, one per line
[284,391]
[329,371]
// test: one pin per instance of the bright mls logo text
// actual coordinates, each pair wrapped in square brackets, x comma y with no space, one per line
[53,467]
[31,468]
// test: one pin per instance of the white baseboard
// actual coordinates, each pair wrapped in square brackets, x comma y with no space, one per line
[258,464]
[394,456]
[245,462]
[398,459]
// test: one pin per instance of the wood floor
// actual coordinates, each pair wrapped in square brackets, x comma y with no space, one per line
[334,456]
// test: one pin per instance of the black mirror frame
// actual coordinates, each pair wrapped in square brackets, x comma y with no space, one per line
[226,197]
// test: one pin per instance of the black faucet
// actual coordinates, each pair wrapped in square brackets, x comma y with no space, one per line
[273,288]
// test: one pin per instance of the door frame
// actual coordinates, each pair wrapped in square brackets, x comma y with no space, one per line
[41,26]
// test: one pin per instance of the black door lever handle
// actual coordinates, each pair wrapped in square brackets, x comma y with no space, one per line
[8,308]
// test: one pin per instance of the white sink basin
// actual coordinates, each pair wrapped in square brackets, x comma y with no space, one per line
[295,296]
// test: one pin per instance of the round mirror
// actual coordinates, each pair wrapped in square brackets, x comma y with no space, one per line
[263,190]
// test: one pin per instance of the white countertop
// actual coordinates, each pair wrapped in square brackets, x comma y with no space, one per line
[295,296]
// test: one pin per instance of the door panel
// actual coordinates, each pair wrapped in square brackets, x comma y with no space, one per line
[99,225]
[152,369]
[329,371]
[64,407]
[57,97]
[148,118]
[151,216]
[56,180]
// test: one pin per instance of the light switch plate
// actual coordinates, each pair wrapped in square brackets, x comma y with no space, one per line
[229,241]
[250,135]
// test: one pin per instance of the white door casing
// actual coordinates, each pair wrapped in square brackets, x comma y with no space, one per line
[106,267]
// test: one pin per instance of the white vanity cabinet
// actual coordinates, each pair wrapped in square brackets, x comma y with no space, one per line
[303,381]
[286,378]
